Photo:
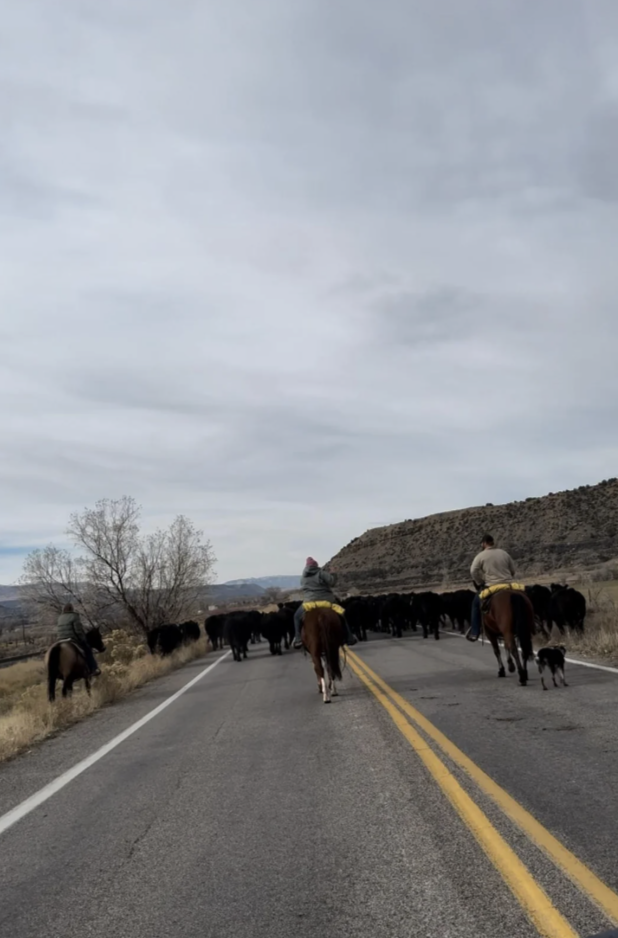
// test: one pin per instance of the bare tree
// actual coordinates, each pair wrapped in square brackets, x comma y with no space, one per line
[155,579]
[51,578]
[274,595]
[120,573]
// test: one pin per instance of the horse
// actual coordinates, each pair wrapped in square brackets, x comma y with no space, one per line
[66,662]
[323,635]
[511,615]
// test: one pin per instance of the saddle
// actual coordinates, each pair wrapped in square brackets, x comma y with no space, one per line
[486,594]
[323,604]
[69,641]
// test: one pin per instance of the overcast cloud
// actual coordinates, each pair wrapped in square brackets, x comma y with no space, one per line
[298,269]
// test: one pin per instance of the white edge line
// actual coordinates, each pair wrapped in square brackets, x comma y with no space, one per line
[21,810]
[584,664]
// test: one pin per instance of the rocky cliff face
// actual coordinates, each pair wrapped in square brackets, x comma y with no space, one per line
[564,533]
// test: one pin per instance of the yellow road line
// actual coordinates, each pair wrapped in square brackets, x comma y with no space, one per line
[535,902]
[578,872]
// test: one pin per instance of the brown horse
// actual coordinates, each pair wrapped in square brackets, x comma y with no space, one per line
[65,661]
[323,635]
[511,616]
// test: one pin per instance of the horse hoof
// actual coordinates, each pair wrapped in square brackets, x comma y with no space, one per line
[327,701]
[511,667]
[501,673]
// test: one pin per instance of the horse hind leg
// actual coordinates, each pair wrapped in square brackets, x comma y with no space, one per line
[496,648]
[325,688]
[522,670]
[332,686]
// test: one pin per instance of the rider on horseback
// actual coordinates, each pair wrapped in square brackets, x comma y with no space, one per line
[492,567]
[316,585]
[70,629]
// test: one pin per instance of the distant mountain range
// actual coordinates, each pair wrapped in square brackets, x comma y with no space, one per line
[232,590]
[250,587]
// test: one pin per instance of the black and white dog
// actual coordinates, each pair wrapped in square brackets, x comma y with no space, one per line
[552,657]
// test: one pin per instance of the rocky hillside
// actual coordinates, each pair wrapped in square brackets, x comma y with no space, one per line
[564,533]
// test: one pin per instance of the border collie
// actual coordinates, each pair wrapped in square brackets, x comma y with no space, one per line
[552,657]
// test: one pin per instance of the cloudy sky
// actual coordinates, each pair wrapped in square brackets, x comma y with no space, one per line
[295,269]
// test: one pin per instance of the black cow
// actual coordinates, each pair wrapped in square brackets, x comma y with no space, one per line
[275,627]
[457,605]
[213,627]
[427,609]
[237,630]
[164,639]
[287,611]
[358,612]
[540,597]
[190,632]
[395,613]
[567,607]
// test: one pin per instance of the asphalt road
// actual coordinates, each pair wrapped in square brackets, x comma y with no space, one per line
[248,808]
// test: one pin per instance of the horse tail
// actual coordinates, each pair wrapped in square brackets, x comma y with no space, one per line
[523,626]
[330,645]
[53,667]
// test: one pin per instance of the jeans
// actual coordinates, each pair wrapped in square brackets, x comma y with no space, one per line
[475,616]
[299,617]
[91,661]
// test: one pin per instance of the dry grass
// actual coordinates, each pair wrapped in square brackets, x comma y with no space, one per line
[26,717]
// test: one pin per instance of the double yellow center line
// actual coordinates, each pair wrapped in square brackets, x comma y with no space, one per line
[533,899]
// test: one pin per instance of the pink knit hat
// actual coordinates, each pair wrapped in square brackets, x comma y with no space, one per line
[310,562]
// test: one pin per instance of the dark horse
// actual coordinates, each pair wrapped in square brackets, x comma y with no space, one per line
[66,662]
[323,635]
[511,616]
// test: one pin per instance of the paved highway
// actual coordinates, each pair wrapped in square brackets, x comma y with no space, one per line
[429,800]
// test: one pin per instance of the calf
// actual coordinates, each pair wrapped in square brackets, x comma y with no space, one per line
[164,639]
[190,632]
[552,657]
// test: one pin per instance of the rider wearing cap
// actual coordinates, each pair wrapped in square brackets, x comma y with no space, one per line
[316,586]
[491,567]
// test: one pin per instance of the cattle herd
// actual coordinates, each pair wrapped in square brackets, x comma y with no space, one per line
[392,614]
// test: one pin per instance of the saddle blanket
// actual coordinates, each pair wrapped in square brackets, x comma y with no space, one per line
[323,604]
[490,590]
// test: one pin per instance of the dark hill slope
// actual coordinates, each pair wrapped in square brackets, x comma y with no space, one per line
[568,532]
